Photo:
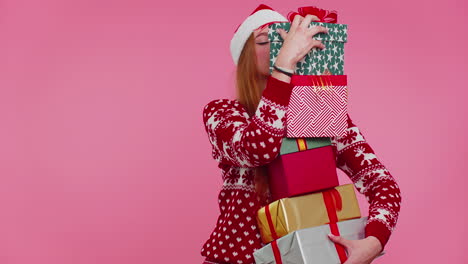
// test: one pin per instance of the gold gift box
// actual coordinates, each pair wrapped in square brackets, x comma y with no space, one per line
[309,210]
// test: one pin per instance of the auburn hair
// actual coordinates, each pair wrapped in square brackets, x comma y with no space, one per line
[249,93]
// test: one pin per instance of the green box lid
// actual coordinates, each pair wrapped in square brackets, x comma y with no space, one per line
[336,32]
[289,145]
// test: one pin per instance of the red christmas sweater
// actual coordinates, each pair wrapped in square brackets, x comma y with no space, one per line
[241,142]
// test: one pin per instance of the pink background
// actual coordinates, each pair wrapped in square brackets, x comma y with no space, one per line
[103,153]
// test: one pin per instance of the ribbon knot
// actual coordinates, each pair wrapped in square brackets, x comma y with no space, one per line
[325,16]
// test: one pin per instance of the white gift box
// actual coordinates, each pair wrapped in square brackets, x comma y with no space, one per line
[312,245]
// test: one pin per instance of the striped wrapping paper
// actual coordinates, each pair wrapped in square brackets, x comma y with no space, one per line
[318,106]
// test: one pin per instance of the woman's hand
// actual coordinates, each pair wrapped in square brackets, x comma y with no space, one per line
[361,251]
[298,41]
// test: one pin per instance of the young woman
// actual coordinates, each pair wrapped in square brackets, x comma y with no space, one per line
[246,134]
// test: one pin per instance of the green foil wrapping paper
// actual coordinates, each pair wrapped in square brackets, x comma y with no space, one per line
[291,145]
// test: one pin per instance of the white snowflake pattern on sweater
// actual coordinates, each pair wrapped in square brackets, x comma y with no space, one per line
[357,159]
[241,143]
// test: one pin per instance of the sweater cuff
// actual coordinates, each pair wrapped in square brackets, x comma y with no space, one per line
[378,230]
[278,91]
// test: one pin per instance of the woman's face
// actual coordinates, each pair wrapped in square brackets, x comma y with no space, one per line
[262,49]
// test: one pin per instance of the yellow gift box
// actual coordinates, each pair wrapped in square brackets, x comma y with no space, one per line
[287,215]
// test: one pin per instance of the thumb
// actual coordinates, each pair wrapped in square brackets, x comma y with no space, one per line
[338,239]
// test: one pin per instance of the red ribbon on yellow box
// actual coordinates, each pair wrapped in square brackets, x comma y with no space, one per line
[333,203]
[328,197]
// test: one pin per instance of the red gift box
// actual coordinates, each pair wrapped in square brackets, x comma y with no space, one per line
[302,172]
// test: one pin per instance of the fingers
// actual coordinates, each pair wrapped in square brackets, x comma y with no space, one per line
[353,260]
[296,21]
[282,33]
[315,18]
[315,30]
[340,240]
[317,43]
[306,21]
[349,261]
[347,244]
[299,20]
[312,30]
[318,29]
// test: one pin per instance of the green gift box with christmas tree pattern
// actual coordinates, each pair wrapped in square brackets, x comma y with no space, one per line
[317,62]
[291,145]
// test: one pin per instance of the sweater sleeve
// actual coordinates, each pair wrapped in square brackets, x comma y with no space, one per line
[357,159]
[244,141]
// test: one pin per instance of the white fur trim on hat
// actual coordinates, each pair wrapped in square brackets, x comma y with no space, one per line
[251,23]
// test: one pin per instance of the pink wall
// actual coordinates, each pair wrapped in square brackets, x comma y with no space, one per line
[104,157]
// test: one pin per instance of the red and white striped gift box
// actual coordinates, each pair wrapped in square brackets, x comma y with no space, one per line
[318,106]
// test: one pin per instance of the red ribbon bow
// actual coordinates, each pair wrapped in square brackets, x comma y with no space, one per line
[325,16]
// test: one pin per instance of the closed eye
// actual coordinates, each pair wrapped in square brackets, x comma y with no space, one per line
[263,43]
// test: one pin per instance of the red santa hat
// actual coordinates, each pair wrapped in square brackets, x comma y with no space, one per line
[262,15]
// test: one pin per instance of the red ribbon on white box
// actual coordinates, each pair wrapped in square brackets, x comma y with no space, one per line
[333,203]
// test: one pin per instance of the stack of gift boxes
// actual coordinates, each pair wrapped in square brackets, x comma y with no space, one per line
[308,201]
